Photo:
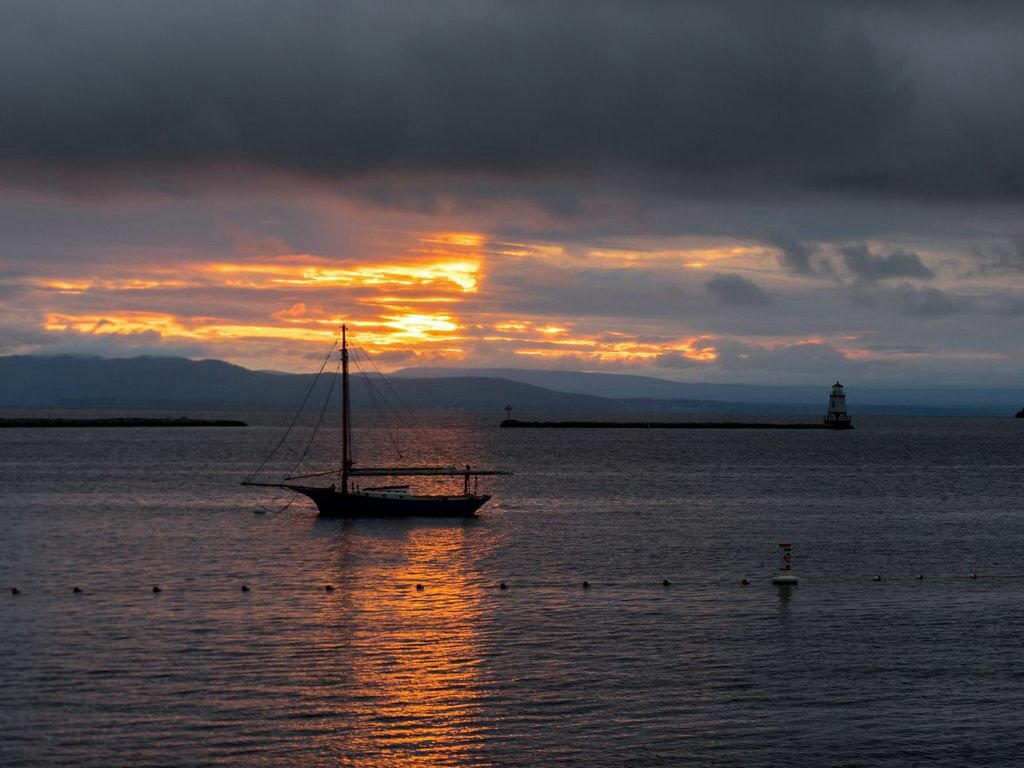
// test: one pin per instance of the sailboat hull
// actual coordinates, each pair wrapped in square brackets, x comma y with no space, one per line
[334,503]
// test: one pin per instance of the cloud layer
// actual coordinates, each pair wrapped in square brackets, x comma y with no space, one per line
[787,191]
[699,97]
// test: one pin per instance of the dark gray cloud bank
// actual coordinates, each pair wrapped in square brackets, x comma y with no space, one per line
[867,267]
[911,99]
[735,290]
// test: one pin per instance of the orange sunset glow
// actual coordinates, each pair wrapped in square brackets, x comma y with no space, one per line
[436,297]
[442,275]
[432,300]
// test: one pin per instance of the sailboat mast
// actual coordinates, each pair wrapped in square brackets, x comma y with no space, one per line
[346,421]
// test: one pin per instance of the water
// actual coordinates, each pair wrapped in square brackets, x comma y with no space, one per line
[840,670]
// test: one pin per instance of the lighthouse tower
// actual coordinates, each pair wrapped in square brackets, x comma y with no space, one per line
[837,417]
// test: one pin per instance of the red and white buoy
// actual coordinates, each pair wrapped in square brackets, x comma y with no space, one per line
[785,573]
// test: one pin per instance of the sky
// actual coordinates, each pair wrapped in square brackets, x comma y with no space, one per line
[786,192]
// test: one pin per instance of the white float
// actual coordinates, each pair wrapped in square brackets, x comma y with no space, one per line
[785,574]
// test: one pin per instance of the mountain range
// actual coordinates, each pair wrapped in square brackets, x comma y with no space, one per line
[166,382]
[910,399]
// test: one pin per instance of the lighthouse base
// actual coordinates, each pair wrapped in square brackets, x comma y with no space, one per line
[846,424]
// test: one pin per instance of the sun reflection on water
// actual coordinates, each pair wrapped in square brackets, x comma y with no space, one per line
[413,659]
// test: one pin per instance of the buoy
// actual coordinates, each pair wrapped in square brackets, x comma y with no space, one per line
[156,589]
[503,585]
[876,578]
[665,583]
[245,587]
[785,575]
[77,590]
[419,587]
[586,585]
[15,591]
[745,582]
[328,588]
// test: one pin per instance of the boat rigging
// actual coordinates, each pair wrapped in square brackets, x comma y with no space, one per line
[345,499]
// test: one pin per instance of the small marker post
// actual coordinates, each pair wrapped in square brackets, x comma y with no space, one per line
[785,575]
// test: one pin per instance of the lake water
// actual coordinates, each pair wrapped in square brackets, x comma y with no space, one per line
[841,670]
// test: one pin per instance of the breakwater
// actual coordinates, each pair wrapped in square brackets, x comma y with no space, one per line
[120,422]
[517,424]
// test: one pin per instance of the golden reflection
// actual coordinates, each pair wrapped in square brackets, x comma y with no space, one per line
[412,661]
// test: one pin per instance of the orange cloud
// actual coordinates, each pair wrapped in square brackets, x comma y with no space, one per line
[462,275]
[427,300]
[461,239]
[172,327]
[130,284]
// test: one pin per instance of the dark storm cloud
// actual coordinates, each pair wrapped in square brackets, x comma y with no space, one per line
[806,356]
[926,302]
[120,345]
[1013,307]
[701,96]
[867,267]
[532,287]
[17,334]
[734,355]
[735,290]
[999,258]
[794,255]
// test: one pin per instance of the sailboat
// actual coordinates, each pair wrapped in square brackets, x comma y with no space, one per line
[346,499]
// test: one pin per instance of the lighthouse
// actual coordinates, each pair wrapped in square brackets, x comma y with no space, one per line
[837,417]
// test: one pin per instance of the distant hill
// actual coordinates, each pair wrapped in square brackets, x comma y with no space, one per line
[163,382]
[794,399]
[140,381]
[166,382]
[618,385]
